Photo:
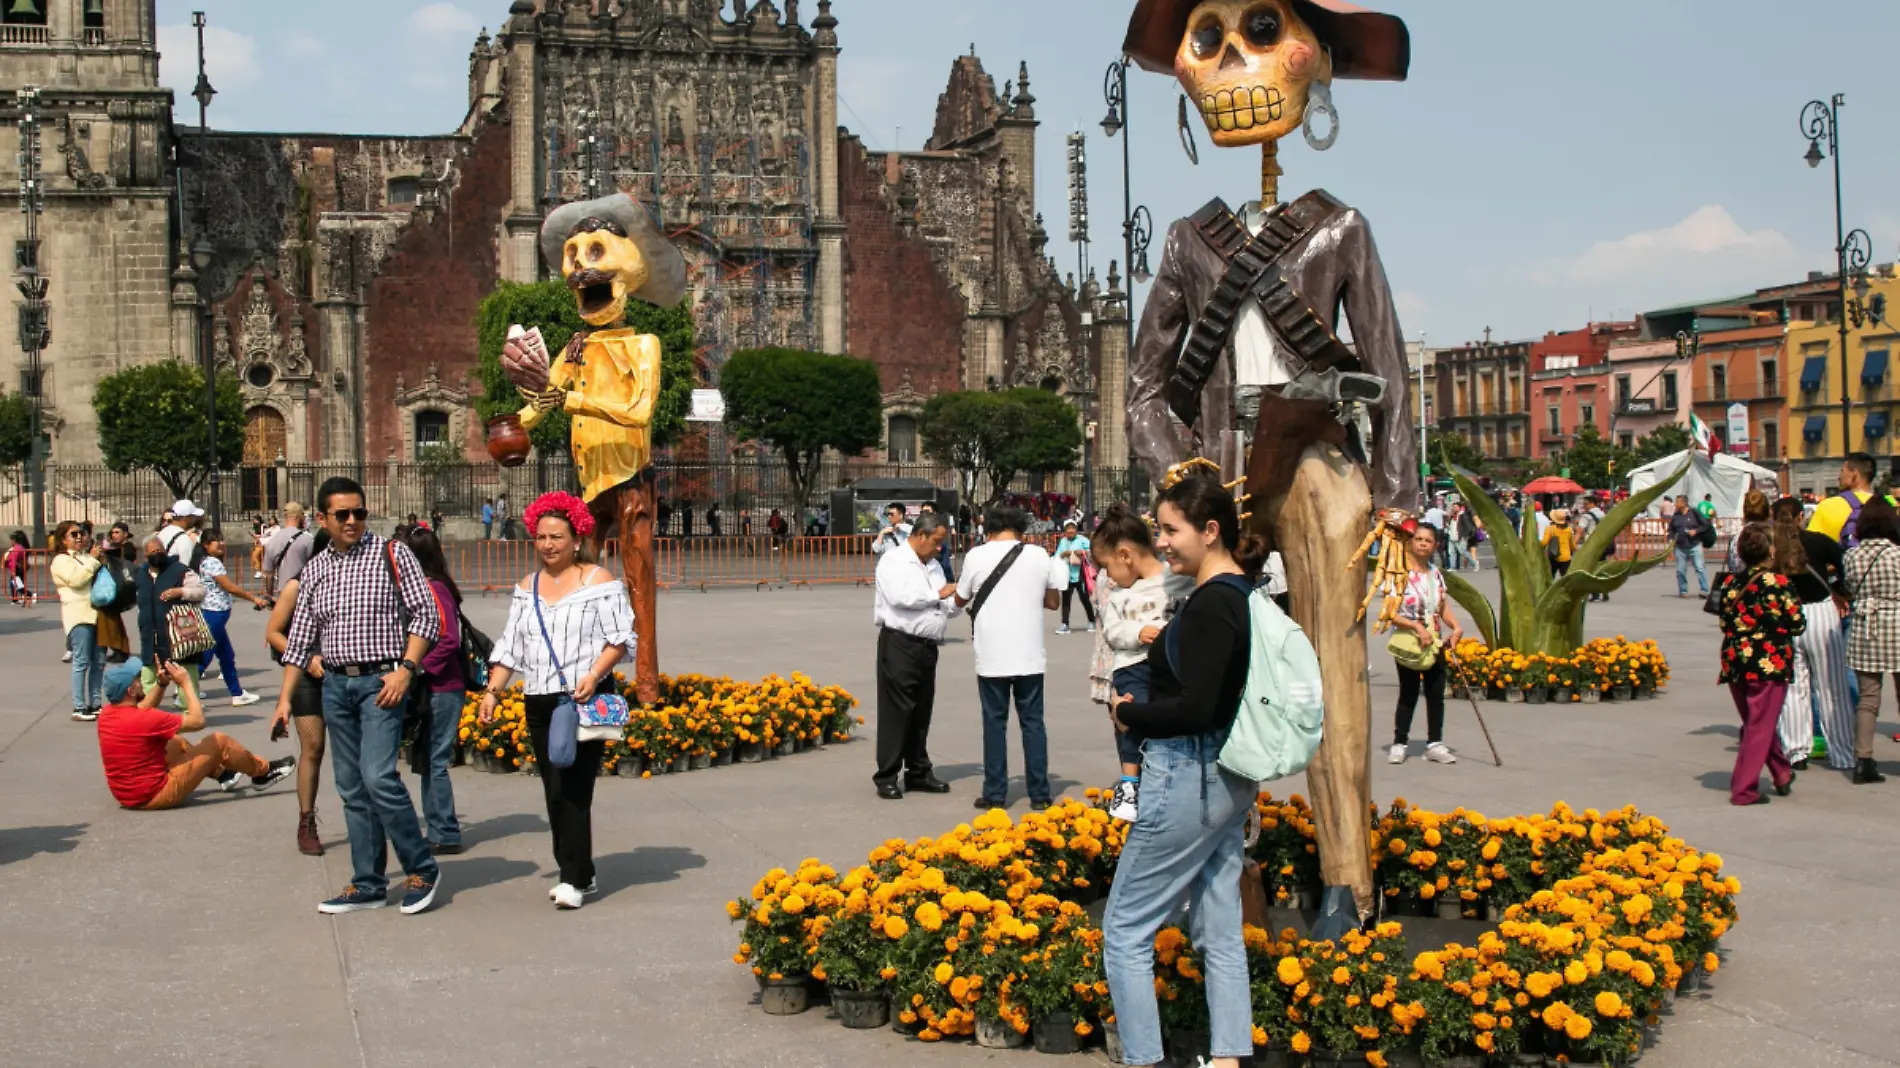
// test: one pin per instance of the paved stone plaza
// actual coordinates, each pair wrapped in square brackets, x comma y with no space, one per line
[192,937]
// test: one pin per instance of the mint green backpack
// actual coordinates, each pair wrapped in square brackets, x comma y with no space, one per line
[1278,727]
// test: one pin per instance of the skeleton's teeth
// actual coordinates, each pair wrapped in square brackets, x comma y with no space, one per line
[1242,109]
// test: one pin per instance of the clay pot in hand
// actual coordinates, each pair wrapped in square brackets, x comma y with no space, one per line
[508,441]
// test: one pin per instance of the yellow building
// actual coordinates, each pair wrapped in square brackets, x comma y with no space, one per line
[1814,388]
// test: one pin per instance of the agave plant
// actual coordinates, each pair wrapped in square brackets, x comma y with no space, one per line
[1541,614]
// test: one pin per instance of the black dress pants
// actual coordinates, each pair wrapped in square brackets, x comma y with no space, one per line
[906,694]
[1432,681]
[570,794]
[1088,607]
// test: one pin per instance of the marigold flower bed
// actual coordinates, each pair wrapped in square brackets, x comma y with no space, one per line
[698,719]
[1601,667]
[1604,916]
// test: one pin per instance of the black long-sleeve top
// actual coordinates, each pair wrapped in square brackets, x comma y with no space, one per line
[1212,644]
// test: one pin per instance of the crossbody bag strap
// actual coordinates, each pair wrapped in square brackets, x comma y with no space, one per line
[553,656]
[395,584]
[983,594]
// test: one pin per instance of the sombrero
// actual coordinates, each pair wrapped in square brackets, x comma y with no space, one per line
[666,268]
[1368,45]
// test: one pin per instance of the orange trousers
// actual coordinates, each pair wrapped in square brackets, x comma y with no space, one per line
[189,765]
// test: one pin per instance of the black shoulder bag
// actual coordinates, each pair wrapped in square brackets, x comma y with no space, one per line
[415,705]
[983,594]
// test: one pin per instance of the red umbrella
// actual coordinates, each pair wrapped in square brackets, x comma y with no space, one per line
[1553,484]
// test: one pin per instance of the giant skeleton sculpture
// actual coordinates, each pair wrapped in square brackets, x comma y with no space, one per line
[1237,358]
[607,381]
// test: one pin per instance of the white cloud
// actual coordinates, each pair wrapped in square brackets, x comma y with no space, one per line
[230,58]
[443,19]
[1708,245]
[305,46]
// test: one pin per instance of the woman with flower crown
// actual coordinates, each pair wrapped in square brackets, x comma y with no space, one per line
[568,625]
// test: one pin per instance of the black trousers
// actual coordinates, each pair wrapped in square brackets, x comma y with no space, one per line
[570,794]
[1434,683]
[906,695]
[1088,608]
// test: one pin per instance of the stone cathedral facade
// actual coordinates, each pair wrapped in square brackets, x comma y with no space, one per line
[349,268]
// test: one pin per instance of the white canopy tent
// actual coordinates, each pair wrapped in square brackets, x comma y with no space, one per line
[1726,478]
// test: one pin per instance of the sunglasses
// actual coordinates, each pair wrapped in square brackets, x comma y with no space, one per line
[345,515]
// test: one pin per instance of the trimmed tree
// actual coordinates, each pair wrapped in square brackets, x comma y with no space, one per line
[152,418]
[16,429]
[1000,435]
[800,404]
[1451,450]
[550,306]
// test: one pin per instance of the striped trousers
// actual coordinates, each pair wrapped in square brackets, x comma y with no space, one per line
[1818,701]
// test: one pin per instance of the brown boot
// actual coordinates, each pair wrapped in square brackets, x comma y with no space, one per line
[307,841]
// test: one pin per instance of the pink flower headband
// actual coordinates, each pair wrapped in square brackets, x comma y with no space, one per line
[565,505]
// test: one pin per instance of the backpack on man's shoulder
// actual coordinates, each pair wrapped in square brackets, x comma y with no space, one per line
[1282,708]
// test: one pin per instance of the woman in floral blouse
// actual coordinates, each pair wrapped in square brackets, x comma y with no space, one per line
[1761,614]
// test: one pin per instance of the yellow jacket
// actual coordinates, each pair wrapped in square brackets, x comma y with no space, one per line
[1565,536]
[610,403]
[73,574]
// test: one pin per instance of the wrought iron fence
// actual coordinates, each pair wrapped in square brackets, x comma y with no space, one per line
[743,487]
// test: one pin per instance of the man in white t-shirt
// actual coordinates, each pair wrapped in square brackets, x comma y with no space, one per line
[179,537]
[1008,630]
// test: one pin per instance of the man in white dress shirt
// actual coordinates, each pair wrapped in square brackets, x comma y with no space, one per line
[912,604]
[896,529]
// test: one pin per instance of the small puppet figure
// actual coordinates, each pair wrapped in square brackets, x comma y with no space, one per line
[607,381]
[1237,354]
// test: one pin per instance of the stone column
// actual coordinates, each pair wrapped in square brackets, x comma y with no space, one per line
[184,309]
[828,228]
[520,259]
[1111,398]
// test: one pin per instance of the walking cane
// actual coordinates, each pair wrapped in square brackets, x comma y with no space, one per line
[1495,759]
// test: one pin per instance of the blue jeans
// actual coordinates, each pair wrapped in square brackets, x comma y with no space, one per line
[1189,843]
[995,694]
[89,666]
[1685,558]
[1131,681]
[438,798]
[227,657]
[1461,556]
[363,743]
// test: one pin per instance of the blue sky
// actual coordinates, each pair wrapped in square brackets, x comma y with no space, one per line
[1546,162]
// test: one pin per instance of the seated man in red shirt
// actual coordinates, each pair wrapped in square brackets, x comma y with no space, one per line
[147,765]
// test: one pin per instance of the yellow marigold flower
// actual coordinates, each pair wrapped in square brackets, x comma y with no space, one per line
[1577,1027]
[944,972]
[1710,962]
[1341,976]
[1289,971]
[1301,1042]
[895,927]
[929,915]
[1608,1004]
[1576,972]
[1375,1058]
[792,904]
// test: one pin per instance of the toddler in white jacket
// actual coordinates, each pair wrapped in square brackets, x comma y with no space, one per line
[1145,595]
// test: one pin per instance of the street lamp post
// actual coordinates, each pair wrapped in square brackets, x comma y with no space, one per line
[203,253]
[1137,224]
[35,331]
[1821,120]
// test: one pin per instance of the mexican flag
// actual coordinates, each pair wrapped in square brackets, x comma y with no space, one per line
[1705,439]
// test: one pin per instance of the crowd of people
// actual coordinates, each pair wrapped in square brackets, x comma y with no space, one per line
[1810,624]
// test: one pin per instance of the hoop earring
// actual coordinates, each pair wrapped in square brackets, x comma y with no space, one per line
[1186,131]
[1319,101]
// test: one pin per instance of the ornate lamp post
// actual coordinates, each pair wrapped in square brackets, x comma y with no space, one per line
[203,254]
[1821,121]
[1137,225]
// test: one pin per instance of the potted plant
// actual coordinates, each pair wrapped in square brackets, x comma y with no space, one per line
[1350,1014]
[851,960]
[1064,982]
[1455,1031]
[778,941]
[1409,871]
[1540,678]
[1288,859]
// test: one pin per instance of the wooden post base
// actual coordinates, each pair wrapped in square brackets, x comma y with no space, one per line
[630,510]
[1316,525]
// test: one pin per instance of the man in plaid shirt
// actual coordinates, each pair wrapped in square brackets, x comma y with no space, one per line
[349,632]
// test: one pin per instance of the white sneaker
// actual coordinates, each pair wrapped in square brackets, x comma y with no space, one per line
[1061,628]
[1125,802]
[566,897]
[243,699]
[1438,754]
[66,657]
[1396,755]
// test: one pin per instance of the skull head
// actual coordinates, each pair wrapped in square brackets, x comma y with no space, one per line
[1249,65]
[602,265]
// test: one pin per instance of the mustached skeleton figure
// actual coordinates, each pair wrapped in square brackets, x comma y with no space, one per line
[607,381]
[1239,335]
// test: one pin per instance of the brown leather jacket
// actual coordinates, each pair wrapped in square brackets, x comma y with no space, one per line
[1336,264]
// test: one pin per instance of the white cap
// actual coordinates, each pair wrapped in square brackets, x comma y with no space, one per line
[183,509]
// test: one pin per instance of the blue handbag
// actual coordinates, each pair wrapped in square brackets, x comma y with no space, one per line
[105,588]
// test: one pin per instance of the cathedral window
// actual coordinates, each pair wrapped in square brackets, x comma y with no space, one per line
[260,375]
[404,191]
[432,428]
[902,447]
[24,12]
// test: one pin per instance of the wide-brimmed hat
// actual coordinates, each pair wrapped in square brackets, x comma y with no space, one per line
[1367,45]
[666,268]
